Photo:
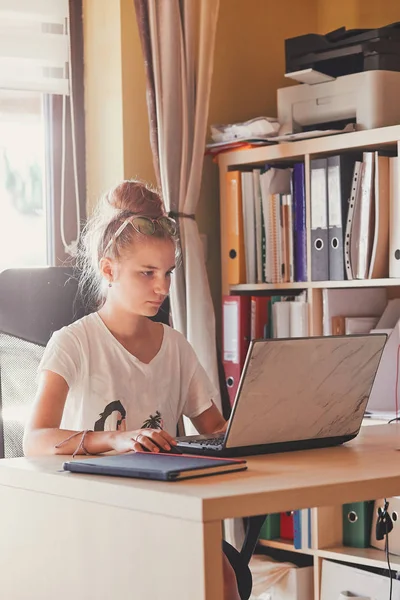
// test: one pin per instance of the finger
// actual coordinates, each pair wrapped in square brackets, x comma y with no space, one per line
[160,440]
[166,438]
[136,447]
[147,443]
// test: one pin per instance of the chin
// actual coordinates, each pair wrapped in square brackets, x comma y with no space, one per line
[151,310]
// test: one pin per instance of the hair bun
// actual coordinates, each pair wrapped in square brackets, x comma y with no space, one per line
[134,196]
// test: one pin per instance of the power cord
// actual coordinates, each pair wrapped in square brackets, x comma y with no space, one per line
[384,526]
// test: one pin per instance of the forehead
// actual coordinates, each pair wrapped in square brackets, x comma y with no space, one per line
[148,250]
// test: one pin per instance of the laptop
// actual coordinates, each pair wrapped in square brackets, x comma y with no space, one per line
[296,394]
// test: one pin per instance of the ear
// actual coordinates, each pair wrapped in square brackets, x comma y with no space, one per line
[106,267]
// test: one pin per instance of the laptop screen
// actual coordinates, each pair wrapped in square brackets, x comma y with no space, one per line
[304,388]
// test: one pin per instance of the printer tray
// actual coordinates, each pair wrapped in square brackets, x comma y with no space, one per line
[342,52]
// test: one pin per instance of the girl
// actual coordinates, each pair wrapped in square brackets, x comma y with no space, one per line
[116,380]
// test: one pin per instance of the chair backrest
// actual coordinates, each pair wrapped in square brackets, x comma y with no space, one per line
[33,304]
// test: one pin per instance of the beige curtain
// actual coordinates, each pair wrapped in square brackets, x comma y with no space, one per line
[178,43]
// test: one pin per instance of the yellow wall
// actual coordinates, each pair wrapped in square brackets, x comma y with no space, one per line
[356,13]
[117,133]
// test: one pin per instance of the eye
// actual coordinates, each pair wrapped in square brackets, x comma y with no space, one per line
[147,273]
[169,273]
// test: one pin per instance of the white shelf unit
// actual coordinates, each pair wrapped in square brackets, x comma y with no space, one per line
[385,138]
[327,544]
[326,521]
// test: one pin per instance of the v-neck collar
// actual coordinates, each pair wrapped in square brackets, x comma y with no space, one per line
[129,354]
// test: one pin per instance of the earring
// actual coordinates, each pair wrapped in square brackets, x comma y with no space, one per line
[109,284]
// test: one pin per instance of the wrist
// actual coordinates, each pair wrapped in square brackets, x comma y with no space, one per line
[110,439]
[97,442]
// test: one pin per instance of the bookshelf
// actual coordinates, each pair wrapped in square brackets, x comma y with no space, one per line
[326,544]
[327,521]
[385,138]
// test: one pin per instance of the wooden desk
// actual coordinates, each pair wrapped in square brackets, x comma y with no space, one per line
[66,536]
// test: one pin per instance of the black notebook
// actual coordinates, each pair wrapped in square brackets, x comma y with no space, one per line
[148,465]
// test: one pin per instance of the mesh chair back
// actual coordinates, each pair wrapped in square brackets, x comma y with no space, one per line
[19,361]
[33,304]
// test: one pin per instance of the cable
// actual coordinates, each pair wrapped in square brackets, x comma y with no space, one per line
[387,555]
[73,245]
[384,526]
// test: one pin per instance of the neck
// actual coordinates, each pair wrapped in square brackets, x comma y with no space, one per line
[123,324]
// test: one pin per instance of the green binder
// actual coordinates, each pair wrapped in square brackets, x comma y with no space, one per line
[271,529]
[357,521]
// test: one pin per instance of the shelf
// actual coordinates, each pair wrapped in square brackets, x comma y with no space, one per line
[371,557]
[372,138]
[284,545]
[355,283]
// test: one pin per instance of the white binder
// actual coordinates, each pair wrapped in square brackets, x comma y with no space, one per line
[394,233]
[355,190]
[379,265]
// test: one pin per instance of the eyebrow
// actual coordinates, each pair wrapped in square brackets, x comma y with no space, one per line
[156,268]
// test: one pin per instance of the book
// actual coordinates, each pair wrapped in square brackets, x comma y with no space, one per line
[299,223]
[151,465]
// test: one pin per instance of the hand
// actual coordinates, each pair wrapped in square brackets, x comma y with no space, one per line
[141,440]
[222,428]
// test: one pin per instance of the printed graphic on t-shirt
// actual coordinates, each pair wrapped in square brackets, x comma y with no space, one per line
[154,422]
[112,418]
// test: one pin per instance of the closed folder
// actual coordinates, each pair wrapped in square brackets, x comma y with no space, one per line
[349,259]
[287,525]
[394,233]
[150,465]
[319,221]
[299,224]
[357,520]
[236,317]
[234,253]
[340,175]
[271,527]
[362,239]
[379,266]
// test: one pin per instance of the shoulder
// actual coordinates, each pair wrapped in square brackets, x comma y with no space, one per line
[178,341]
[74,334]
[176,338]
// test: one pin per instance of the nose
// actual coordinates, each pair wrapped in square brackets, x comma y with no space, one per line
[162,286]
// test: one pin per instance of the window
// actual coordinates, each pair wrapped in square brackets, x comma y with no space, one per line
[24,240]
[41,103]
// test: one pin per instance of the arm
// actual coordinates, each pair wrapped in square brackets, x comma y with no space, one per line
[210,421]
[43,433]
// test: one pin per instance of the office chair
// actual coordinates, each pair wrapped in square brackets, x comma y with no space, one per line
[33,304]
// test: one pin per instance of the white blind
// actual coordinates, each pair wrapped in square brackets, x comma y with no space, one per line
[34,45]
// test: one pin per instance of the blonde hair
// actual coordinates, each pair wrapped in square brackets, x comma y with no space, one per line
[129,198]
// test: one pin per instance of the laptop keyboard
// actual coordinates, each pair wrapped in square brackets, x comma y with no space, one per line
[214,441]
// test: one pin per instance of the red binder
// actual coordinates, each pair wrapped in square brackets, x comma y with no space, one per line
[287,529]
[236,316]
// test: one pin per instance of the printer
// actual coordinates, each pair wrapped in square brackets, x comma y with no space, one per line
[347,77]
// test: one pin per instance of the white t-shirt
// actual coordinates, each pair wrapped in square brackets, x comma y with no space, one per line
[110,389]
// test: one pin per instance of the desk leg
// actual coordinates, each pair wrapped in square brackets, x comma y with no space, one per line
[57,547]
